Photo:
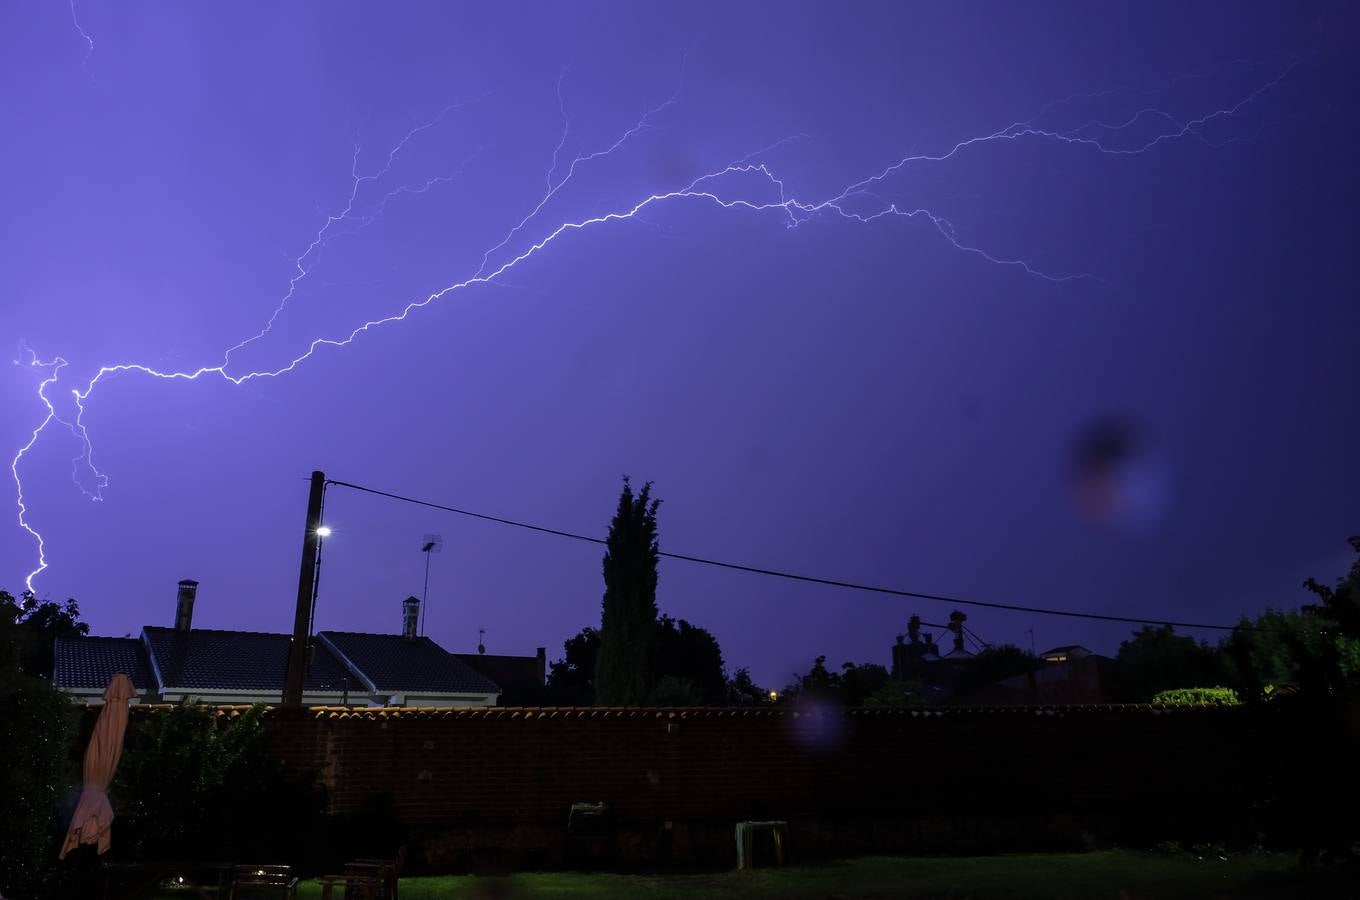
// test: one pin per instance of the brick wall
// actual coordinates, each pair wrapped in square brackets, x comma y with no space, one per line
[860,779]
[508,766]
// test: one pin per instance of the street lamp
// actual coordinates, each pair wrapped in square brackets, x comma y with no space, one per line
[322,532]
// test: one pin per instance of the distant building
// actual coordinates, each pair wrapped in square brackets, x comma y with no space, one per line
[344,668]
[520,678]
[1067,675]
[1063,654]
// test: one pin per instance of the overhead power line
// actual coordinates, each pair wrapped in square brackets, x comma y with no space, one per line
[793,576]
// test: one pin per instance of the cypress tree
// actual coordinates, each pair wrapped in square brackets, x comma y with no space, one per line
[624,673]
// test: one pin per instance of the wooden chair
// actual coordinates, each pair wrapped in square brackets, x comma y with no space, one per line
[384,870]
[262,881]
[354,887]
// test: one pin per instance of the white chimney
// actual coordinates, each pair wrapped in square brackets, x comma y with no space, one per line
[410,616]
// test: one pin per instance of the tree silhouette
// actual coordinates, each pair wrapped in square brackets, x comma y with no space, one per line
[1315,648]
[571,679]
[691,654]
[1157,659]
[743,691]
[29,629]
[624,670]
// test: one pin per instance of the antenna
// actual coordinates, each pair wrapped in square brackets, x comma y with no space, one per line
[481,640]
[429,544]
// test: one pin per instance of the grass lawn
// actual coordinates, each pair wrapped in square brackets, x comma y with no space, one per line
[1119,875]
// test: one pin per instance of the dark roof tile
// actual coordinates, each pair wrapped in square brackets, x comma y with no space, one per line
[205,659]
[400,666]
[91,662]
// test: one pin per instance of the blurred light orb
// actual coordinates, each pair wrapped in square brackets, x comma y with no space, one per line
[1115,481]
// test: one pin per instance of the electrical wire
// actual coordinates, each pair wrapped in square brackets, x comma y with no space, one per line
[792,576]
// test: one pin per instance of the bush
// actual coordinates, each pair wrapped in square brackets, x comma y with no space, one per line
[38,774]
[671,690]
[192,784]
[1221,696]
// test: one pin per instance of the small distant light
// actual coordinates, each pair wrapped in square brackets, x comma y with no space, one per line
[774,695]
[323,531]
[179,879]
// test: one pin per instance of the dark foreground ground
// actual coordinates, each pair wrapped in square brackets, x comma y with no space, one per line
[1119,875]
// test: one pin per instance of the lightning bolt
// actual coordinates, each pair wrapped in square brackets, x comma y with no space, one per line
[746,184]
[89,41]
[55,366]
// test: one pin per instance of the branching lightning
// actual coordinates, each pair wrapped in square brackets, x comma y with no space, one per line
[746,184]
[89,41]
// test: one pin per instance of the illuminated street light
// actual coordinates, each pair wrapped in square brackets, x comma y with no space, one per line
[323,531]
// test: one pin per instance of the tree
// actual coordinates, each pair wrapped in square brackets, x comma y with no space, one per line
[624,669]
[28,630]
[820,684]
[895,693]
[742,691]
[690,653]
[571,680]
[860,682]
[1157,659]
[576,668]
[672,690]
[1315,648]
[853,685]
[1338,616]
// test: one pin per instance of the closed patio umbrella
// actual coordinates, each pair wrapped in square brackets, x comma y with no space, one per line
[93,816]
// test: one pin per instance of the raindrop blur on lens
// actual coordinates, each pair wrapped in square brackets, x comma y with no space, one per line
[1115,481]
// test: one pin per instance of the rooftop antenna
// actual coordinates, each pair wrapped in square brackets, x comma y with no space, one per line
[481,640]
[430,544]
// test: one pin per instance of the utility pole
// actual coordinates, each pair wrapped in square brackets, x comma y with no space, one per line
[430,544]
[311,543]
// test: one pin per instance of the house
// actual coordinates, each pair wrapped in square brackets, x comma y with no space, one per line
[520,678]
[1069,675]
[1064,654]
[344,668]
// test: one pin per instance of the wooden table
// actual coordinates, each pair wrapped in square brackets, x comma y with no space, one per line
[746,837]
[149,875]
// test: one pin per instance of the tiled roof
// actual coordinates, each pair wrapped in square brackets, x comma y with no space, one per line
[506,671]
[91,662]
[527,713]
[400,666]
[206,660]
[602,713]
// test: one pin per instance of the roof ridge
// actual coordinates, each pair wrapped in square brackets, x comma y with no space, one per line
[279,634]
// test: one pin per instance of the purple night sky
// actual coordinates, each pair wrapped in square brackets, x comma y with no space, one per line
[815,378]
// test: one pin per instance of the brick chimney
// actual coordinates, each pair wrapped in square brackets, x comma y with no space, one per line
[410,617]
[184,605]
